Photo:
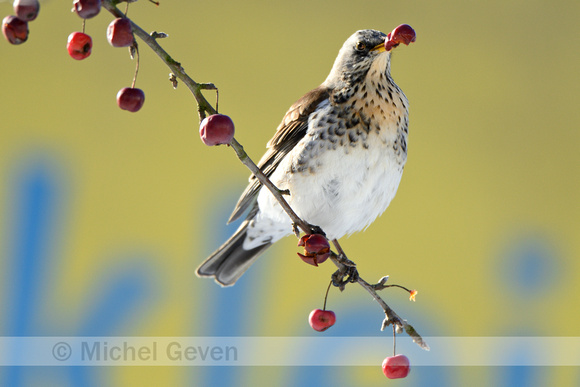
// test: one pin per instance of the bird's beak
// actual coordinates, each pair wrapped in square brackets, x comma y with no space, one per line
[379,48]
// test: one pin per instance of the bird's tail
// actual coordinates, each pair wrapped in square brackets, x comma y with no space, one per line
[231,260]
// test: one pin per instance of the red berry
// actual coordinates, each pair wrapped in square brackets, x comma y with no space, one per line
[120,33]
[87,8]
[320,320]
[15,30]
[396,367]
[403,33]
[316,249]
[131,99]
[26,10]
[216,129]
[79,45]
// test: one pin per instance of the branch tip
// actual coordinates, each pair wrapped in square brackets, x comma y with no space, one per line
[158,35]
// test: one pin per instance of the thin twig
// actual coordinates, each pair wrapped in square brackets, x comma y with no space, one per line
[393,318]
[326,295]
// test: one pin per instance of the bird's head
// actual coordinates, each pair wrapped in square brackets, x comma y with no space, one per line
[361,49]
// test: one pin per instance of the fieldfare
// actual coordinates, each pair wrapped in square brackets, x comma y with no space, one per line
[339,154]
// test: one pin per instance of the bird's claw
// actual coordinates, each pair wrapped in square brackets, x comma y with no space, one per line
[343,276]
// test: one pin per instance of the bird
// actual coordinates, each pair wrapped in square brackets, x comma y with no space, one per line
[338,155]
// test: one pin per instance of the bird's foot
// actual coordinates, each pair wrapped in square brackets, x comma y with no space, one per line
[348,273]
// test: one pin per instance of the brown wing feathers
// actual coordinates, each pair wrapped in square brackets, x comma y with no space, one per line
[290,131]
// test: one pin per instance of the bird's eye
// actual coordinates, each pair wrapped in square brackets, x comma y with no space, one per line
[360,46]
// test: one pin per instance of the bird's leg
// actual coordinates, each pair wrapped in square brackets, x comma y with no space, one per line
[346,272]
[343,276]
[342,256]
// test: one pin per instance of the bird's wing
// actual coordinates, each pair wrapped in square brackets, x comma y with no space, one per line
[290,131]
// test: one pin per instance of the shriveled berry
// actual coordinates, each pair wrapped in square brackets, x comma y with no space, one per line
[26,10]
[131,99]
[316,249]
[314,243]
[396,367]
[79,45]
[120,33]
[216,129]
[87,8]
[320,320]
[15,30]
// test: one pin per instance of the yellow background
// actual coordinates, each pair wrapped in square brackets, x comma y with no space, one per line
[485,223]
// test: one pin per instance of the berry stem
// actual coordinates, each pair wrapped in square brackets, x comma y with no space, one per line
[136,63]
[394,341]
[217,99]
[84,21]
[326,295]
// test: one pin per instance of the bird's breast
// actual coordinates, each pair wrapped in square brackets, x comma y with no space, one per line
[346,170]
[344,189]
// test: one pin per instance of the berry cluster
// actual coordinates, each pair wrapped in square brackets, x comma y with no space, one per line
[80,44]
[119,34]
[316,251]
[15,28]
